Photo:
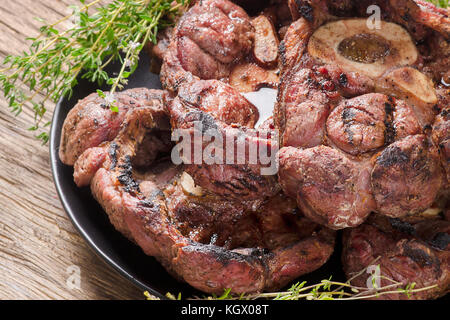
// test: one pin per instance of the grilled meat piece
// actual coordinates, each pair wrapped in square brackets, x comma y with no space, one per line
[108,166]
[369,122]
[418,17]
[302,109]
[205,240]
[87,146]
[406,253]
[216,39]
[218,100]
[366,92]
[91,121]
[106,157]
[209,219]
[207,39]
[392,185]
[305,99]
[330,188]
[343,53]
[212,125]
[441,137]
[400,173]
[278,253]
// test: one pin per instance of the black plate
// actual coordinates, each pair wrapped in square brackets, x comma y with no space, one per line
[93,224]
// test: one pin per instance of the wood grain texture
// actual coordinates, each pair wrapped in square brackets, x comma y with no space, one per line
[37,240]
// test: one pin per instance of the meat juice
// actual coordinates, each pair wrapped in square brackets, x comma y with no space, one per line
[264,99]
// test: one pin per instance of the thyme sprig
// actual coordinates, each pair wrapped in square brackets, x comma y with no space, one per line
[440,3]
[324,290]
[56,59]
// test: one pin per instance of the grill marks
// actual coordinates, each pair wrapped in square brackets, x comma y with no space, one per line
[364,124]
[223,109]
[113,148]
[391,156]
[245,249]
[305,10]
[125,176]
[390,133]
[400,173]
[420,256]
[441,137]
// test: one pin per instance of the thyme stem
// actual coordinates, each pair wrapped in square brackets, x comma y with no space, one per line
[58,58]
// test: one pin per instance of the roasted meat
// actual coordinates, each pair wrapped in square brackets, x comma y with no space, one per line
[371,92]
[210,242]
[107,167]
[407,253]
[362,117]
[418,17]
[91,121]
[330,188]
[211,111]
[216,39]
[207,39]
[259,251]
[400,173]
[370,122]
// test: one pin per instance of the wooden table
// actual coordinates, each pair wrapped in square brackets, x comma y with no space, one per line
[38,244]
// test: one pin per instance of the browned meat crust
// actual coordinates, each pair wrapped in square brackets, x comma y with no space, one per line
[209,242]
[400,173]
[330,188]
[406,253]
[222,116]
[108,167]
[211,36]
[91,122]
[320,103]
[251,260]
[370,122]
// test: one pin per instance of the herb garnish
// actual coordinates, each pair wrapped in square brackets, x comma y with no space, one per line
[55,60]
[325,290]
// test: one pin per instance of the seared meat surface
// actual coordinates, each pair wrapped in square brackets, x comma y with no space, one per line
[370,122]
[208,38]
[330,188]
[258,251]
[406,253]
[108,167]
[400,173]
[216,39]
[370,96]
[86,144]
[215,99]
[227,119]
[91,122]
[363,127]
[417,16]
[208,241]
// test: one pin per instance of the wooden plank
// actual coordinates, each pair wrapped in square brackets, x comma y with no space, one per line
[37,240]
